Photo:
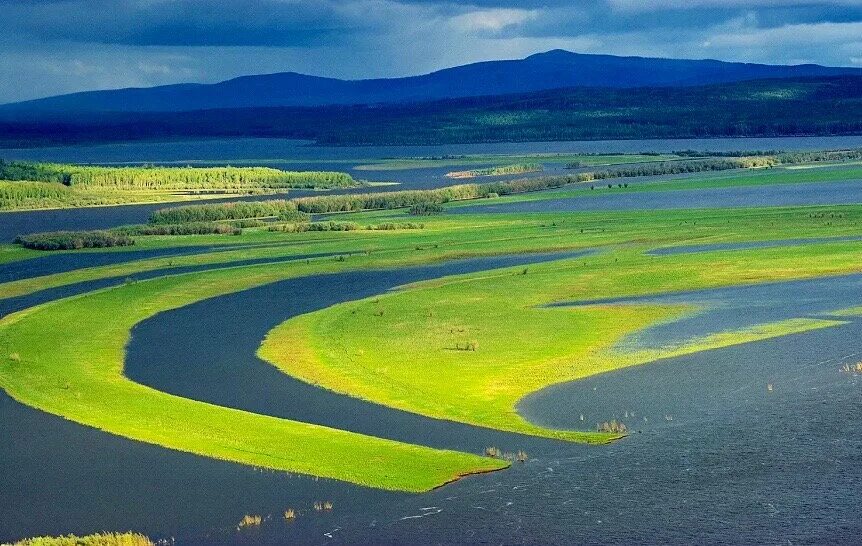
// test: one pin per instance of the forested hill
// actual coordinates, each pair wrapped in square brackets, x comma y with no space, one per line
[808,106]
[542,71]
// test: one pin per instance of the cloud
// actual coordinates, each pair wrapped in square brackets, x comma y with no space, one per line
[57,46]
[492,20]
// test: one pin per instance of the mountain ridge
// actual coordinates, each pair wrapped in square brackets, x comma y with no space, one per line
[538,72]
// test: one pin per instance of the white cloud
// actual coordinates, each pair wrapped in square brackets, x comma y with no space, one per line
[491,20]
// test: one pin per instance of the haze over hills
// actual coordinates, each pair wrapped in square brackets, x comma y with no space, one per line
[544,71]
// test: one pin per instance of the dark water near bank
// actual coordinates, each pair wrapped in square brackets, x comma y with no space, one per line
[736,464]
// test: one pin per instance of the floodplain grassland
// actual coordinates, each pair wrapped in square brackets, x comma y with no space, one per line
[463,348]
[464,235]
[69,353]
[69,362]
[407,348]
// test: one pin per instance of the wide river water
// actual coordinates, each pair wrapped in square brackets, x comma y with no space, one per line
[715,456]
[718,459]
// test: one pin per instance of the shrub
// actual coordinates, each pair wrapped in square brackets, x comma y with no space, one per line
[389,226]
[73,240]
[249,521]
[191,228]
[315,226]
[426,209]
[239,210]
[493,452]
[613,426]
[518,168]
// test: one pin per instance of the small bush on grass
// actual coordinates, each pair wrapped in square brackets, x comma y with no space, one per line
[73,240]
[426,209]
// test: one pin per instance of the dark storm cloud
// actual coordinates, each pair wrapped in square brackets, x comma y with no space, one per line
[183,23]
[53,46]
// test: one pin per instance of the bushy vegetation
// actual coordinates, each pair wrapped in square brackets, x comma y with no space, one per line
[15,195]
[392,226]
[612,426]
[302,227]
[189,228]
[819,156]
[73,240]
[426,209]
[519,168]
[240,210]
[171,178]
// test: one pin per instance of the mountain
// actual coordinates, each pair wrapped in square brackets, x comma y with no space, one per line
[778,107]
[543,71]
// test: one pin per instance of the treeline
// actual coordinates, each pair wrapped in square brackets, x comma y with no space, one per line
[679,167]
[325,204]
[191,228]
[172,178]
[24,194]
[502,170]
[820,156]
[342,226]
[73,240]
[784,158]
[216,212]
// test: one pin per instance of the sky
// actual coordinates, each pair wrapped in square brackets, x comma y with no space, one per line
[50,47]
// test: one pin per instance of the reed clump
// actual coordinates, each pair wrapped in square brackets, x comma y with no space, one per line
[249,521]
[612,426]
[493,452]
